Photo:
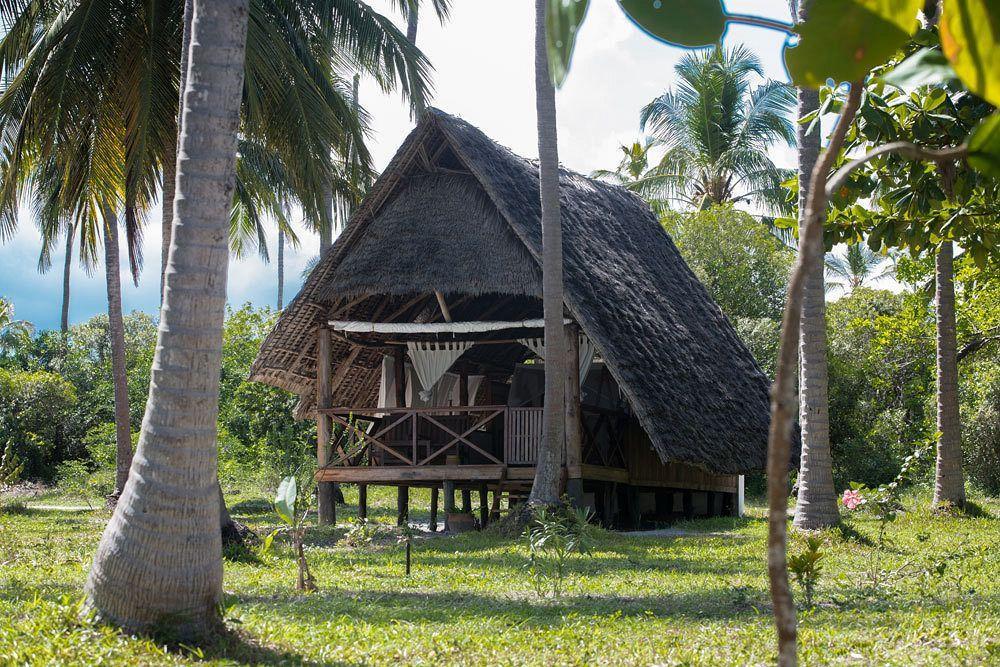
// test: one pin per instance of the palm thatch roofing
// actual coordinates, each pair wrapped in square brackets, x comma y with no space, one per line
[456,212]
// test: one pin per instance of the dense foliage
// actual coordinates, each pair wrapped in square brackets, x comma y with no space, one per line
[881,345]
[56,400]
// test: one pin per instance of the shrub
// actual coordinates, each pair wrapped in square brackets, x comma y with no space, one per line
[982,442]
[34,413]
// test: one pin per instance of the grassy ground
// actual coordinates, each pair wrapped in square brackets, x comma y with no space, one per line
[699,598]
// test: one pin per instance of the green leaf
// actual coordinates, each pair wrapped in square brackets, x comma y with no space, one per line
[562,23]
[844,39]
[926,67]
[688,23]
[970,39]
[984,146]
[284,502]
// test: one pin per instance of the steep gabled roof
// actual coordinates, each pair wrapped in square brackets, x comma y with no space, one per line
[694,386]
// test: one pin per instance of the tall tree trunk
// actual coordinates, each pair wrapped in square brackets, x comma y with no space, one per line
[159,559]
[545,489]
[949,480]
[281,268]
[816,506]
[116,334]
[67,269]
[167,206]
[170,159]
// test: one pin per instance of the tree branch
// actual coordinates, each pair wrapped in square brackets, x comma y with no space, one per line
[760,22]
[783,402]
[904,148]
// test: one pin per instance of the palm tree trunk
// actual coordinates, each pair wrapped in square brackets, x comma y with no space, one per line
[281,268]
[170,159]
[159,559]
[548,469]
[816,506]
[167,206]
[949,480]
[116,333]
[67,269]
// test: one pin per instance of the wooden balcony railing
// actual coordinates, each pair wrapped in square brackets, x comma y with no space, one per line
[491,434]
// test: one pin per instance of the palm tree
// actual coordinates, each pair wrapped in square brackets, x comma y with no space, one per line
[716,131]
[816,504]
[160,558]
[856,267]
[634,173]
[89,117]
[13,332]
[548,470]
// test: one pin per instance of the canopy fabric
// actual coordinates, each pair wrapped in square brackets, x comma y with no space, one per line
[351,326]
[431,359]
[587,350]
[445,393]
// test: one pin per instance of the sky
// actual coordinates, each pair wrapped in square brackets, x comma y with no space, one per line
[483,71]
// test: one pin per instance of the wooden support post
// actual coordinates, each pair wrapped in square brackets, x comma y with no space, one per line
[402,505]
[688,505]
[434,509]
[326,506]
[484,507]
[729,504]
[463,389]
[634,516]
[466,501]
[495,506]
[362,501]
[574,431]
[449,501]
[399,370]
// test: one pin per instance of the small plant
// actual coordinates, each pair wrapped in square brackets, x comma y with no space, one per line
[553,536]
[293,510]
[806,569]
[366,533]
[73,480]
[884,501]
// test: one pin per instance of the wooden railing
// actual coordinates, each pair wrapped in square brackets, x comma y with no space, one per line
[427,436]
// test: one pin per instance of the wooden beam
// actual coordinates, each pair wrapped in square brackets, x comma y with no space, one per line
[327,507]
[445,313]
[403,474]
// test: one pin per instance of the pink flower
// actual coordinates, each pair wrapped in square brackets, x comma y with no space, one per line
[852,499]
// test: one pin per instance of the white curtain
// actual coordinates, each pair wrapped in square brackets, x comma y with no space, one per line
[474,382]
[432,359]
[587,350]
[387,387]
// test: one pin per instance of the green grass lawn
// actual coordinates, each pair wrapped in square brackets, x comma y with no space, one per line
[699,598]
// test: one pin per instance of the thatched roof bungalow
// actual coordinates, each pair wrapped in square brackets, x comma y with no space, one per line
[447,243]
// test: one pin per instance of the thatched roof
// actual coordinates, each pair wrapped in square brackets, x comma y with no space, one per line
[456,212]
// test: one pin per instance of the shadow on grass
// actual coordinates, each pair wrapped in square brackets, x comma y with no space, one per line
[974,511]
[392,607]
[233,645]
